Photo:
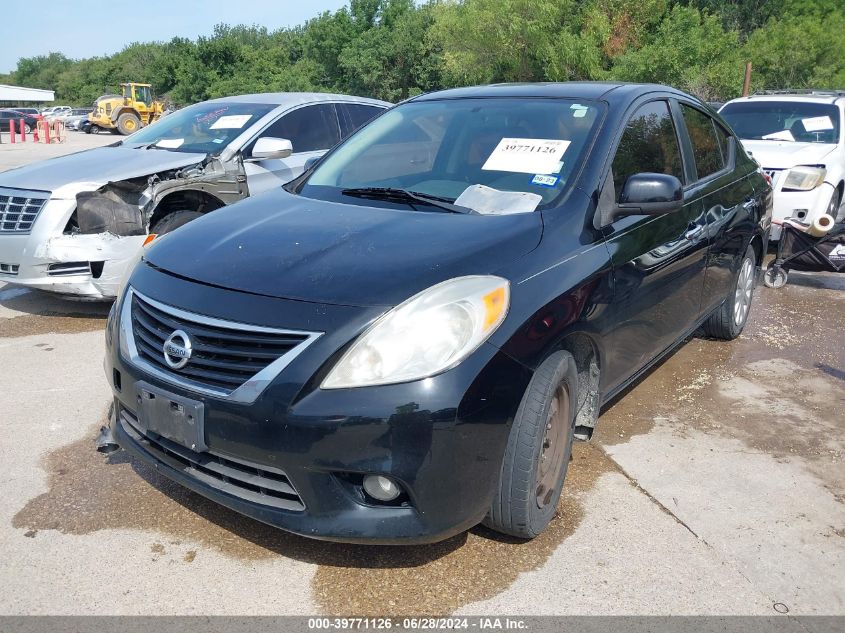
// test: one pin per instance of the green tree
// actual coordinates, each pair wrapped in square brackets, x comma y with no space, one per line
[690,50]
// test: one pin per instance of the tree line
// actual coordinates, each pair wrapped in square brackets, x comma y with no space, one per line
[393,49]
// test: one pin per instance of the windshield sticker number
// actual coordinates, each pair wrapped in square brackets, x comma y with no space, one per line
[817,123]
[544,180]
[231,122]
[526,155]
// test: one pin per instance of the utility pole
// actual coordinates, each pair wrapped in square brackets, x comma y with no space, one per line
[746,85]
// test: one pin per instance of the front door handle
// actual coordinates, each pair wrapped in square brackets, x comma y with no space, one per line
[694,233]
[749,204]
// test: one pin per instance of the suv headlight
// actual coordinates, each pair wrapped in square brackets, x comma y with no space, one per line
[429,333]
[804,178]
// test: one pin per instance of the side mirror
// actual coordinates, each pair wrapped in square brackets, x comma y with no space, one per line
[311,162]
[269,147]
[650,194]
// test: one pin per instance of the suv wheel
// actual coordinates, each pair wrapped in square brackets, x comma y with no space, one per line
[538,451]
[173,221]
[728,321]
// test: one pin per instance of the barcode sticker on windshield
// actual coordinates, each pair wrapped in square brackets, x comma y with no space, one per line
[231,122]
[817,123]
[526,155]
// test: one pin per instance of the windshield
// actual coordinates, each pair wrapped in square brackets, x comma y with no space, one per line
[784,121]
[468,151]
[203,128]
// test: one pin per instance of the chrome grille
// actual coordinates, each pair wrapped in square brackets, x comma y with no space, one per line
[19,209]
[9,269]
[227,359]
[253,482]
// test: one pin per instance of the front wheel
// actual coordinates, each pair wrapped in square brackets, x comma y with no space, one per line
[26,128]
[729,320]
[173,221]
[538,451]
[127,123]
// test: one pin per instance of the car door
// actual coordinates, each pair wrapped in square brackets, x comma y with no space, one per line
[727,197]
[311,129]
[658,261]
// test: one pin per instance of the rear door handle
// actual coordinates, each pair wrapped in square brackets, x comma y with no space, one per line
[694,233]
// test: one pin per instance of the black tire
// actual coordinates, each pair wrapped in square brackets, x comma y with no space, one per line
[173,221]
[128,123]
[523,506]
[728,321]
[26,128]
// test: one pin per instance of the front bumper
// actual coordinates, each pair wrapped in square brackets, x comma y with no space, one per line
[41,259]
[805,206]
[442,439]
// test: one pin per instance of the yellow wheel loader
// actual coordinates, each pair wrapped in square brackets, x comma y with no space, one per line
[128,113]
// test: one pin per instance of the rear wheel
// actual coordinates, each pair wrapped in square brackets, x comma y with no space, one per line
[173,221]
[127,123]
[26,128]
[729,320]
[538,451]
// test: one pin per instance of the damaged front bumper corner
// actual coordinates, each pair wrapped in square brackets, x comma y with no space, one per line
[87,266]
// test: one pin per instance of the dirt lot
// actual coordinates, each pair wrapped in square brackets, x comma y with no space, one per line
[715,486]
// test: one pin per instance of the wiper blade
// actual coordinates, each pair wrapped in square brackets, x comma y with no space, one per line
[403,195]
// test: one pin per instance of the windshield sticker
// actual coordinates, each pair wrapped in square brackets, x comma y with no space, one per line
[489,201]
[231,122]
[783,135]
[526,155]
[171,143]
[817,123]
[544,180]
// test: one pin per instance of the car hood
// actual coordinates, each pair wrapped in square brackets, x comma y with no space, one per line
[785,154]
[95,168]
[291,247]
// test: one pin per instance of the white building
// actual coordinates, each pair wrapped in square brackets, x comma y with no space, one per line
[18,93]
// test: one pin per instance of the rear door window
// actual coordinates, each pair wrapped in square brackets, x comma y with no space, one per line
[706,148]
[649,144]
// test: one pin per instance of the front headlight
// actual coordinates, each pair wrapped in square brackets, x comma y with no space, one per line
[428,334]
[804,178]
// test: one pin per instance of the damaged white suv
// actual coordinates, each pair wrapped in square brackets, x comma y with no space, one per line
[73,224]
[797,138]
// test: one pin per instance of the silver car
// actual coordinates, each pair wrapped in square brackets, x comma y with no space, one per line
[74,224]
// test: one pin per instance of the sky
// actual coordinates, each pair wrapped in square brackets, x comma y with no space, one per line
[88,28]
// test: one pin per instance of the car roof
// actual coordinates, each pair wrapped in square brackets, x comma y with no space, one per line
[296,98]
[573,89]
[819,97]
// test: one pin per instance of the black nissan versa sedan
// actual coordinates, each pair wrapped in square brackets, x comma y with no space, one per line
[404,341]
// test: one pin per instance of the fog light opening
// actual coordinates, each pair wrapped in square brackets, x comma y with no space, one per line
[381,488]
